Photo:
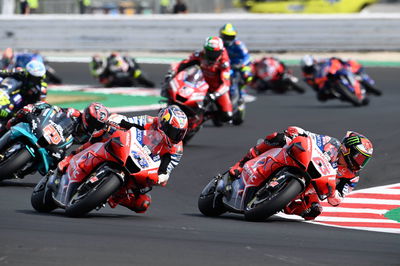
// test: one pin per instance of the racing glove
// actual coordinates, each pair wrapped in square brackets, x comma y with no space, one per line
[63,165]
[163,179]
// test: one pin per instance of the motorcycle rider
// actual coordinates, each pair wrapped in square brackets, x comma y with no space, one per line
[33,88]
[348,158]
[239,55]
[315,73]
[172,124]
[214,63]
[83,123]
[101,68]
[6,59]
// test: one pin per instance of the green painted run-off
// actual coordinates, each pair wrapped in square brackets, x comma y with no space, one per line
[393,214]
[109,100]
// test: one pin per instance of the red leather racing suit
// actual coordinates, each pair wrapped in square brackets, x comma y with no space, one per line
[216,74]
[309,207]
[129,196]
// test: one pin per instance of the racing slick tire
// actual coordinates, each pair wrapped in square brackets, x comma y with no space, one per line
[15,161]
[210,203]
[265,205]
[371,89]
[90,195]
[347,95]
[41,198]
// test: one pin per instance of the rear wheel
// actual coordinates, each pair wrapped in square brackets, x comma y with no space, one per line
[14,158]
[266,203]
[91,194]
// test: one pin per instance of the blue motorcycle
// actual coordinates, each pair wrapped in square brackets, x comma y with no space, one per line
[37,145]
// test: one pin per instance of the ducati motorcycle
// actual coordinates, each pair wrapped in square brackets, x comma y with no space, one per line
[272,74]
[290,171]
[188,89]
[37,145]
[99,171]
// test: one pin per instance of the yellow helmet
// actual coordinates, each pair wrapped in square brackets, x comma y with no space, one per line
[228,34]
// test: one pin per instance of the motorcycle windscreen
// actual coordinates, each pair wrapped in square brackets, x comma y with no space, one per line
[145,148]
[194,77]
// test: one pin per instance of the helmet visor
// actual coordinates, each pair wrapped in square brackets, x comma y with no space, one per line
[213,55]
[360,160]
[173,133]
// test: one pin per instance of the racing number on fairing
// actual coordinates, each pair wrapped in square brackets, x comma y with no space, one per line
[321,165]
[52,133]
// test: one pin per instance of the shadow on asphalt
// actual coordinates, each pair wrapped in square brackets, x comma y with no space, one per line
[14,183]
[60,213]
[239,217]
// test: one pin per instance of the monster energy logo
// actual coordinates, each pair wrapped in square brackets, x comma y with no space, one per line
[3,113]
[353,140]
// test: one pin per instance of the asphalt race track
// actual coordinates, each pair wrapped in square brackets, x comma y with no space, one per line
[173,232]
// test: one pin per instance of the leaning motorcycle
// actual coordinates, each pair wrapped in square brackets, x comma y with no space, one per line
[290,171]
[35,146]
[188,89]
[123,160]
[10,100]
[344,86]
[272,74]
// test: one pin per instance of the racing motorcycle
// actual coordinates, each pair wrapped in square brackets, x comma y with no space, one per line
[35,146]
[291,171]
[343,85]
[272,74]
[188,89]
[10,100]
[123,160]
[21,60]
[366,81]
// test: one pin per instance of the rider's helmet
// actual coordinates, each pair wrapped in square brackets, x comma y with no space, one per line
[97,62]
[213,48]
[7,57]
[94,117]
[228,34]
[356,150]
[307,64]
[173,122]
[116,62]
[36,70]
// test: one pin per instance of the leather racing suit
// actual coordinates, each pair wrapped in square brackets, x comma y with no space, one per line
[310,206]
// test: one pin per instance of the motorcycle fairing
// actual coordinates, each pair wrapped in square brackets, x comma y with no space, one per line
[302,153]
[122,146]
[24,130]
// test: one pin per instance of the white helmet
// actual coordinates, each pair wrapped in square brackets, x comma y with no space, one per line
[307,63]
[36,68]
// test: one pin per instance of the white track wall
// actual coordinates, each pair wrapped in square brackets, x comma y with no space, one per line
[273,33]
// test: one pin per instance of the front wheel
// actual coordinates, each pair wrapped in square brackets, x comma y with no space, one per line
[347,95]
[296,86]
[266,203]
[14,158]
[371,88]
[41,199]
[91,194]
[210,202]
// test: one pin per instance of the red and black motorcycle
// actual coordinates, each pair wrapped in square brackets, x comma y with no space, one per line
[98,172]
[291,171]
[272,74]
[188,89]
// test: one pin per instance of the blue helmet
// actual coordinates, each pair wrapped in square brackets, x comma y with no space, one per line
[36,68]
